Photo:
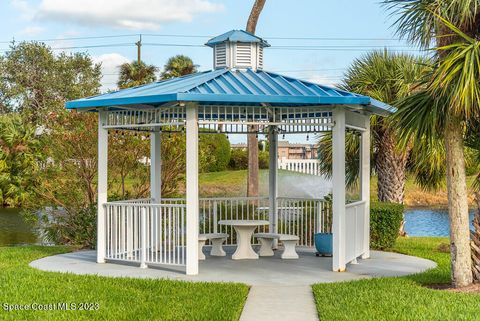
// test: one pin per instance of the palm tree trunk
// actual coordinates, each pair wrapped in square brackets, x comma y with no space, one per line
[390,167]
[457,204]
[252,141]
[254,15]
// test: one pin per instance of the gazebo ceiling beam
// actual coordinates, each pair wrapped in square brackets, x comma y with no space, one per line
[171,118]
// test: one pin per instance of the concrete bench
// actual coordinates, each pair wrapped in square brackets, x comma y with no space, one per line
[266,243]
[216,239]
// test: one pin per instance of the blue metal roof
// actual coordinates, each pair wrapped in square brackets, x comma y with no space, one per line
[236,36]
[225,86]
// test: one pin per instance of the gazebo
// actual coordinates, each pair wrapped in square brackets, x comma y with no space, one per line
[236,96]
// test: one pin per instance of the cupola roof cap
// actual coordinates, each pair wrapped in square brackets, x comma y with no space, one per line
[237,36]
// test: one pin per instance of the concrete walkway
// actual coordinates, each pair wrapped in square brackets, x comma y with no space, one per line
[280,288]
[278,303]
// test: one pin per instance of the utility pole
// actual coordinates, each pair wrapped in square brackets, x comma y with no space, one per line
[139,49]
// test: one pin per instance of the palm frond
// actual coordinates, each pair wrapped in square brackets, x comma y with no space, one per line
[352,157]
[418,20]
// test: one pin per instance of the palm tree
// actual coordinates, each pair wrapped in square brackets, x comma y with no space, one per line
[178,66]
[446,100]
[136,74]
[388,77]
[20,160]
[252,140]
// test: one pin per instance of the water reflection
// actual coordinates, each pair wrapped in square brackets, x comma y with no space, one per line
[13,230]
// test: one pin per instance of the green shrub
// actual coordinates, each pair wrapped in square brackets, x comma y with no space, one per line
[238,159]
[214,152]
[263,160]
[385,221]
[59,226]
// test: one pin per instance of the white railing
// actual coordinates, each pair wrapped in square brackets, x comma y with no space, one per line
[306,166]
[136,201]
[354,225]
[139,231]
[145,233]
[303,217]
[214,209]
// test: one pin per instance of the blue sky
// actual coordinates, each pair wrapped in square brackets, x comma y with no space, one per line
[365,23]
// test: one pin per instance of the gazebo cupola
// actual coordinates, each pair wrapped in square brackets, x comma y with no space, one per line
[237,49]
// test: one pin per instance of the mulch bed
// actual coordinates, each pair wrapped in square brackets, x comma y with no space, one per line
[472,288]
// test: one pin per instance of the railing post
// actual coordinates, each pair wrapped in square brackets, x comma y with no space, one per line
[319,220]
[215,218]
[129,216]
[143,237]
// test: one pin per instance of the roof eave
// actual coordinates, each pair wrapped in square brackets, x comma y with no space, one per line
[381,108]
[144,100]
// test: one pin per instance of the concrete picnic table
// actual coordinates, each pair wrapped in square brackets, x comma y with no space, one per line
[244,230]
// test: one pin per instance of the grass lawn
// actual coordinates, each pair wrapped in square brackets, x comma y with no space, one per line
[118,298]
[402,298]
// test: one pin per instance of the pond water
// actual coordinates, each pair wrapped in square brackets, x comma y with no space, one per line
[428,222]
[13,230]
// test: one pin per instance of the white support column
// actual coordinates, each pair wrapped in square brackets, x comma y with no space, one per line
[156,184]
[338,181]
[155,167]
[102,184]
[365,184]
[272,179]
[192,188]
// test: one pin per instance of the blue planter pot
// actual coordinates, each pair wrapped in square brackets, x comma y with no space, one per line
[324,243]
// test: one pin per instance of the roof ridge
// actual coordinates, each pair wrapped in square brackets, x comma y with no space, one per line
[209,75]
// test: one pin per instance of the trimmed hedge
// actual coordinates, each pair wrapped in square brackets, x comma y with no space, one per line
[385,221]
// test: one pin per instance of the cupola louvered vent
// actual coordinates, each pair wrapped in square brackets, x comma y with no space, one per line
[260,57]
[243,54]
[221,55]
[238,49]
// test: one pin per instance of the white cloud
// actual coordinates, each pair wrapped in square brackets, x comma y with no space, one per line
[130,14]
[110,68]
[32,31]
[27,11]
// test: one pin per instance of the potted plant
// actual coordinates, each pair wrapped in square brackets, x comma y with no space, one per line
[324,240]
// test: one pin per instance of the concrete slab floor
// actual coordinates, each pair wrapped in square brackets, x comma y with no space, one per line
[266,271]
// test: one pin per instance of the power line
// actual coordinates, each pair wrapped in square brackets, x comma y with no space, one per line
[173,45]
[334,38]
[75,38]
[205,36]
